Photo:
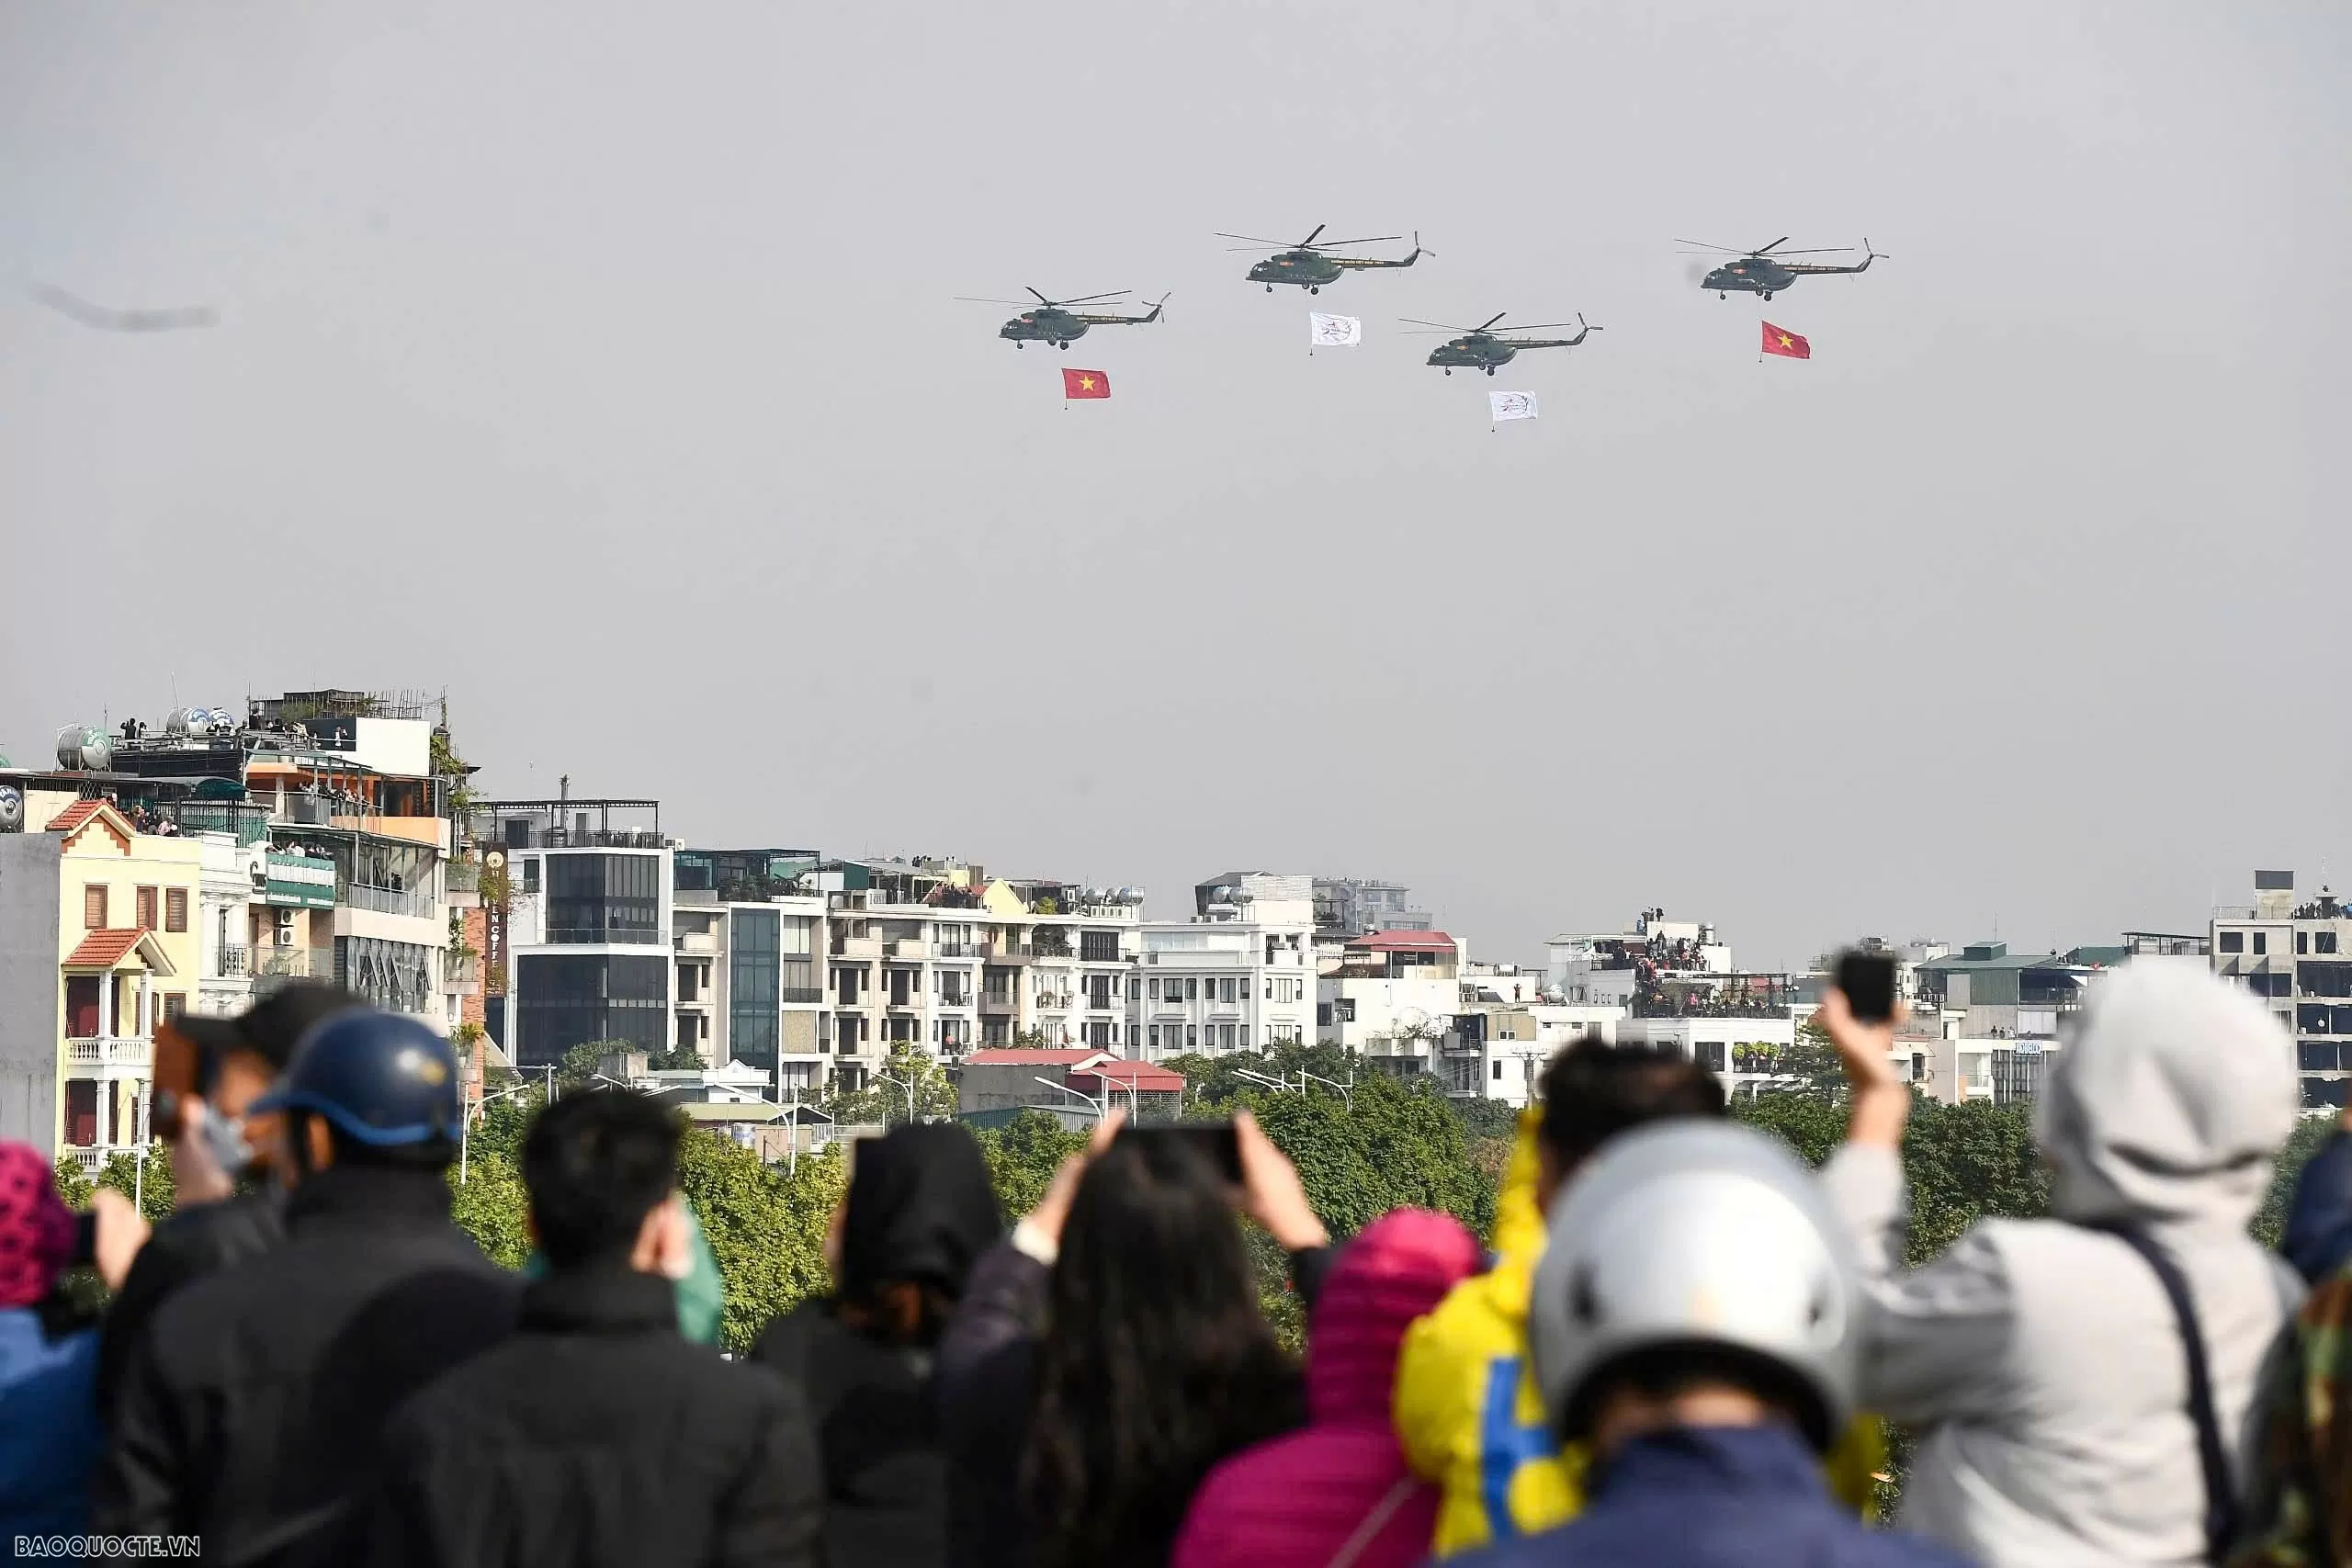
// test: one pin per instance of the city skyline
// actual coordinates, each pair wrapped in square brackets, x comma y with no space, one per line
[589,364]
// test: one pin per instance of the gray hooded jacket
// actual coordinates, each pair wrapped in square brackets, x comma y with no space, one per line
[2041,1359]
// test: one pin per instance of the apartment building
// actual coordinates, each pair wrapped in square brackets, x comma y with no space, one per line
[2296,953]
[1390,994]
[934,954]
[588,930]
[1239,976]
[1349,907]
[98,944]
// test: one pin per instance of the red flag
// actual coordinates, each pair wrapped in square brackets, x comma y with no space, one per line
[1782,341]
[1085,384]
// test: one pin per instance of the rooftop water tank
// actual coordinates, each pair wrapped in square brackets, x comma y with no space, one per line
[81,747]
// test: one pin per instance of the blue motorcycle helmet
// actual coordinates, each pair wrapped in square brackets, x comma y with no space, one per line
[383,1082]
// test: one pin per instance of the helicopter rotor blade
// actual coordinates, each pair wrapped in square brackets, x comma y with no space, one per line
[1271,244]
[1090,299]
[1041,298]
[1433,326]
[977,300]
[1702,244]
[1768,250]
[1310,239]
[1540,326]
[1818,251]
[1491,320]
[1370,239]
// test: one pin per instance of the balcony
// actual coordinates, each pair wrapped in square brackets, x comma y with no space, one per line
[912,950]
[110,1054]
[462,974]
[274,967]
[415,902]
[233,960]
[461,880]
[954,949]
[800,996]
[857,947]
[247,823]
[1007,956]
[994,1005]
[92,1158]
[955,998]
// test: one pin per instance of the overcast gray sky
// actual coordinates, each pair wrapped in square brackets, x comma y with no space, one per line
[598,362]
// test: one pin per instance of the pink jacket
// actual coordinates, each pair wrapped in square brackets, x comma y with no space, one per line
[1297,1501]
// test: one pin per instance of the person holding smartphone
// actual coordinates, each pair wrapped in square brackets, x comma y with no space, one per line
[1111,1351]
[224,1065]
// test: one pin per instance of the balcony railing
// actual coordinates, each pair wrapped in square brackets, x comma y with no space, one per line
[110,1052]
[416,903]
[247,822]
[463,875]
[92,1157]
[274,967]
[234,961]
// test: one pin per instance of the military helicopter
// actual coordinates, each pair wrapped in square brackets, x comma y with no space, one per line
[1477,348]
[1764,272]
[1307,265]
[1053,320]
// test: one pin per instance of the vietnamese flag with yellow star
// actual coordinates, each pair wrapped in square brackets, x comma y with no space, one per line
[1085,384]
[1786,344]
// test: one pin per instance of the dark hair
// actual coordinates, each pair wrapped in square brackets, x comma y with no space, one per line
[1662,1371]
[432,1154]
[596,1164]
[1155,1363]
[1593,1092]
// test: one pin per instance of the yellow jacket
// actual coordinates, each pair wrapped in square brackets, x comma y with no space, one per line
[1471,1417]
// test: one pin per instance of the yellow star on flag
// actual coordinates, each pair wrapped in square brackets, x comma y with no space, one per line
[1787,342]
[1086,383]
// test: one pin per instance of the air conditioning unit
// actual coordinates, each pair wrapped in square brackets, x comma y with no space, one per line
[283,937]
[285,919]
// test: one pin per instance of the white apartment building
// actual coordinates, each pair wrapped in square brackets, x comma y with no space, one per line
[2296,955]
[1238,975]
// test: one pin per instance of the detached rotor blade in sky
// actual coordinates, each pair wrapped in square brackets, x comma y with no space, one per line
[89,315]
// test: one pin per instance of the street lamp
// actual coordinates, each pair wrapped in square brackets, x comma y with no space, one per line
[1086,1100]
[466,1121]
[1346,1098]
[907,1083]
[1279,1086]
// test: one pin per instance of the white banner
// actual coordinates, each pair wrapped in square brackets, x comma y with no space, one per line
[1333,332]
[1511,405]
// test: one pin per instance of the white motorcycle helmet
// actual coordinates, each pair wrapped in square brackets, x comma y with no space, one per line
[1703,1242]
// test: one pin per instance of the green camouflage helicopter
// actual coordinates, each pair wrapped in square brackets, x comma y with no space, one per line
[1309,264]
[1053,320]
[1479,347]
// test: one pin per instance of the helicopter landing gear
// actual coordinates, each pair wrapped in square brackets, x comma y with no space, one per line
[1490,370]
[1723,296]
[1270,288]
[1062,345]
[1449,372]
[1768,297]
[1315,289]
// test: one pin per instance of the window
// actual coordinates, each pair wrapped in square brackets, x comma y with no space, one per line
[1192,1037]
[2262,942]
[2322,942]
[1155,988]
[94,906]
[144,902]
[1098,947]
[1499,1072]
[567,1000]
[1192,988]
[531,874]
[175,1005]
[175,909]
[1155,1037]
[689,981]
[2233,941]
[2302,941]
[605,898]
[1135,989]
[1225,1035]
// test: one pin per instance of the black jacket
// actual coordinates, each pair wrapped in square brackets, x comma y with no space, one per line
[596,1436]
[886,1479]
[250,1411]
[199,1240]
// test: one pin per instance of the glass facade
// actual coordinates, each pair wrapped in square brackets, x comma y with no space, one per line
[395,976]
[752,986]
[563,999]
[604,899]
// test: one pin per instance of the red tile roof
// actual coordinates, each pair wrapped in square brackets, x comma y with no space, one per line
[1401,942]
[104,950]
[74,816]
[1029,1056]
[1144,1076]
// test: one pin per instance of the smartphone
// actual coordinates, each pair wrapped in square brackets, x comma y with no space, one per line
[1867,980]
[179,1071]
[1216,1142]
